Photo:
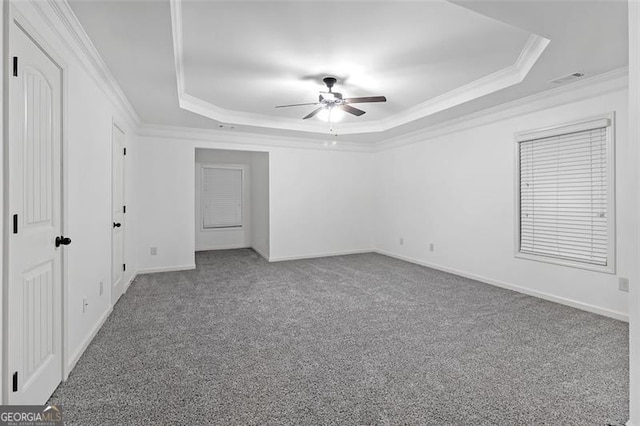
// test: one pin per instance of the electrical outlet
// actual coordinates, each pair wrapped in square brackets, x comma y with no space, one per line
[154,251]
[101,288]
[623,284]
[85,305]
[401,241]
[431,247]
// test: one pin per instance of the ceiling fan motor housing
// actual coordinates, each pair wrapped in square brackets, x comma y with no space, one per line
[329,81]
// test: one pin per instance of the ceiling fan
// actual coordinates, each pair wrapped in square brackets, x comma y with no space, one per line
[331,99]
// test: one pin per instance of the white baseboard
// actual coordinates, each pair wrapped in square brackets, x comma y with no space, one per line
[315,255]
[126,286]
[223,247]
[85,343]
[541,295]
[261,253]
[167,269]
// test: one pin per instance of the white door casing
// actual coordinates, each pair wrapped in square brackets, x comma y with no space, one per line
[34,292]
[118,213]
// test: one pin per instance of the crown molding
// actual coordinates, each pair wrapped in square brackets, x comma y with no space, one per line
[204,108]
[176,36]
[224,139]
[58,15]
[584,89]
[227,139]
[506,77]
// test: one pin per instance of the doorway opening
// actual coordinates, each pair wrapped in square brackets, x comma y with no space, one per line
[232,200]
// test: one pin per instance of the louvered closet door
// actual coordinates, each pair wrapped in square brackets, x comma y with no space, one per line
[35,276]
[563,196]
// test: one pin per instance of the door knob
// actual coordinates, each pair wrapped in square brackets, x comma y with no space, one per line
[62,241]
[117,225]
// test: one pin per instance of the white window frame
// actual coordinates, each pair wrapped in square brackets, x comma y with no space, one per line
[608,121]
[242,197]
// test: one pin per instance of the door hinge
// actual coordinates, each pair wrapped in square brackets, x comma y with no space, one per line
[15,66]
[124,266]
[125,151]
[124,209]
[15,223]
[15,381]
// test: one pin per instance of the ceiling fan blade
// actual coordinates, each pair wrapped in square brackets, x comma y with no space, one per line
[365,99]
[351,110]
[313,113]
[292,105]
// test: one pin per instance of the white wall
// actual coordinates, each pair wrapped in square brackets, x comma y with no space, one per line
[318,200]
[260,203]
[89,206]
[457,192]
[88,115]
[166,205]
[224,238]
[320,203]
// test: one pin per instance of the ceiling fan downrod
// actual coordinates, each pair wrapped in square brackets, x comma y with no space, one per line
[329,81]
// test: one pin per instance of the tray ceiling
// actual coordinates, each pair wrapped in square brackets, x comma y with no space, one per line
[198,64]
[236,61]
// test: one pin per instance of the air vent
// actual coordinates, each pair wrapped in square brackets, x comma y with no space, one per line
[568,78]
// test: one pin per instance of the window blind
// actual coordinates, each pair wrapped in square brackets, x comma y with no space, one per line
[221,197]
[563,196]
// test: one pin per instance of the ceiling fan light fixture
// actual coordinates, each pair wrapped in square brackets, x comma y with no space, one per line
[329,96]
[331,114]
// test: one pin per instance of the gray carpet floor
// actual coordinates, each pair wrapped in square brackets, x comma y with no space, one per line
[360,339]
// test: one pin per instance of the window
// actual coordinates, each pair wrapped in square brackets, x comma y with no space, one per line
[565,210]
[221,197]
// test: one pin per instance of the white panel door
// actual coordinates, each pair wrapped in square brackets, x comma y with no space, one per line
[35,268]
[117,206]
